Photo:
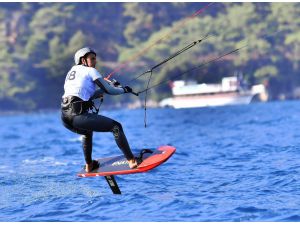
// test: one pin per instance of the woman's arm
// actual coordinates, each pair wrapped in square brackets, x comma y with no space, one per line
[108,88]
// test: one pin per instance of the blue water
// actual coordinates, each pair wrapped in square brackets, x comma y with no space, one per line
[235,163]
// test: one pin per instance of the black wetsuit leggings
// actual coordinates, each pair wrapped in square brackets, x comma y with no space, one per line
[86,123]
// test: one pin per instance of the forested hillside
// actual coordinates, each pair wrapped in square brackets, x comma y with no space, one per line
[38,42]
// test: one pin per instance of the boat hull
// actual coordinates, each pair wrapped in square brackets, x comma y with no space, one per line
[196,101]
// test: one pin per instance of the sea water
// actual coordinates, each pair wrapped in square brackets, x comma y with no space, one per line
[233,163]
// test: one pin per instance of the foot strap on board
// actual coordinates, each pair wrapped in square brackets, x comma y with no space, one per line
[140,157]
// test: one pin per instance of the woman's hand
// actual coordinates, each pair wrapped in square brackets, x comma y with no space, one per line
[127,89]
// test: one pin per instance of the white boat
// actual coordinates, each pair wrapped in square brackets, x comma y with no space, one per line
[229,92]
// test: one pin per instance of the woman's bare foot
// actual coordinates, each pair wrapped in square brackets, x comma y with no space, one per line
[91,166]
[132,163]
[88,167]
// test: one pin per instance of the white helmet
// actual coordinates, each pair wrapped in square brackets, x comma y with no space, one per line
[81,53]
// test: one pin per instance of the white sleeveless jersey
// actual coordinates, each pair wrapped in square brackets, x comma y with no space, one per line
[80,82]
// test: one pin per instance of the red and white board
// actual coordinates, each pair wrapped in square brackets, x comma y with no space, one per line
[118,165]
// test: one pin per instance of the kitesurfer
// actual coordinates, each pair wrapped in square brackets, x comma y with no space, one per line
[77,106]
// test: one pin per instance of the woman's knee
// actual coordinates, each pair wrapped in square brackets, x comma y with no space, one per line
[117,129]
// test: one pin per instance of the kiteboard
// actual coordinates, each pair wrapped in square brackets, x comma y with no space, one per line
[148,159]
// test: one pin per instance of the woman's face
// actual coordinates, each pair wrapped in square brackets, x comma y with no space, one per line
[91,60]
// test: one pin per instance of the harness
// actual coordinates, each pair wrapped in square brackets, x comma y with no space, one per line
[76,106]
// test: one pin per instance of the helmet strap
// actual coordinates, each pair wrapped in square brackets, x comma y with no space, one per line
[84,61]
